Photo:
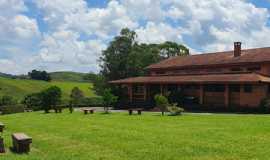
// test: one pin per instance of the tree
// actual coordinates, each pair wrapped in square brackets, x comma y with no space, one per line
[170,49]
[50,98]
[125,57]
[99,84]
[39,75]
[114,60]
[108,99]
[32,101]
[161,102]
[76,97]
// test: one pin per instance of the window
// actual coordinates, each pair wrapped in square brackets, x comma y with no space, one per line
[248,88]
[214,88]
[192,86]
[160,72]
[254,68]
[234,88]
[138,88]
[236,69]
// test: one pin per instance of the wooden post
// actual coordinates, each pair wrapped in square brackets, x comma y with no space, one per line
[161,89]
[130,93]
[226,95]
[144,92]
[201,94]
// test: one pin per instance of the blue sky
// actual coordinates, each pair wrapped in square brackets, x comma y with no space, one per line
[69,35]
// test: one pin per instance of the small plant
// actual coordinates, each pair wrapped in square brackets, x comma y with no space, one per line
[161,103]
[108,99]
[175,110]
[76,97]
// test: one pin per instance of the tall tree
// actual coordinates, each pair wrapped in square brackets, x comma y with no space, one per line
[170,49]
[114,60]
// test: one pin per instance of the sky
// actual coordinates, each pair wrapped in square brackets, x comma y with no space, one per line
[69,35]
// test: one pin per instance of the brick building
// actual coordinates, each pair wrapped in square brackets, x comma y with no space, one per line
[238,78]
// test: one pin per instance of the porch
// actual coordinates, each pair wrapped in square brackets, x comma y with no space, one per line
[211,95]
[212,90]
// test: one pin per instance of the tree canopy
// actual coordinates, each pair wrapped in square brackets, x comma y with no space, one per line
[125,57]
[39,75]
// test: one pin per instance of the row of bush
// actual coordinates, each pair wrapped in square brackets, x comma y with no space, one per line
[48,99]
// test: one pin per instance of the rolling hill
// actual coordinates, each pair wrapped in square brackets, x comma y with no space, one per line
[18,88]
[68,76]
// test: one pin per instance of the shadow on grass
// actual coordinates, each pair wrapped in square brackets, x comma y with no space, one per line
[12,150]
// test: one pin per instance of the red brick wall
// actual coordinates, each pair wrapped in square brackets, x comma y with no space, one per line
[253,99]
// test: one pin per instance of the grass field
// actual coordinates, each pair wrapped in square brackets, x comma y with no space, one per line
[18,88]
[150,137]
[68,76]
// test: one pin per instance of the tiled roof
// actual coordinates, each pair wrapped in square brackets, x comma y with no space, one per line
[210,78]
[247,56]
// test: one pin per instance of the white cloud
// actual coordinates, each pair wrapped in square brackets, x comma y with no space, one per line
[158,33]
[76,33]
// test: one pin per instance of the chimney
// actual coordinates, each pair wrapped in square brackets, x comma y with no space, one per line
[237,49]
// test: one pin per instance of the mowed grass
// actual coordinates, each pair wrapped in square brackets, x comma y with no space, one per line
[118,136]
[18,88]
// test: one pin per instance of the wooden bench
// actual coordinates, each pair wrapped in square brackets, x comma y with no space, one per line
[88,110]
[21,142]
[139,111]
[28,110]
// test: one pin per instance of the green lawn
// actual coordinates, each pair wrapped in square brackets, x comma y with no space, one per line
[150,136]
[18,88]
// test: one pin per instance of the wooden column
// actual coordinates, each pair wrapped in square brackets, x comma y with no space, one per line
[226,95]
[144,92]
[130,92]
[161,89]
[241,103]
[201,94]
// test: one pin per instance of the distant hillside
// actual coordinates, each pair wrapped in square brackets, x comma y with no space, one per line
[7,75]
[68,76]
[18,88]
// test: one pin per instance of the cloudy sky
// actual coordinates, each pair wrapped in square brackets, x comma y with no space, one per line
[68,35]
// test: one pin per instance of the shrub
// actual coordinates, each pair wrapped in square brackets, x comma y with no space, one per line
[12,109]
[32,101]
[161,103]
[174,110]
[265,105]
[108,99]
[7,100]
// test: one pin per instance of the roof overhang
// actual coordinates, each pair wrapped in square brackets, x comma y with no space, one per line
[198,79]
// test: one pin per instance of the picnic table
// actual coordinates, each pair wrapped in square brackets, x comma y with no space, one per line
[139,110]
[21,142]
[88,110]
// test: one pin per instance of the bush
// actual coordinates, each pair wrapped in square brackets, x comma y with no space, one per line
[12,109]
[7,100]
[161,103]
[174,110]
[265,105]
[32,101]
